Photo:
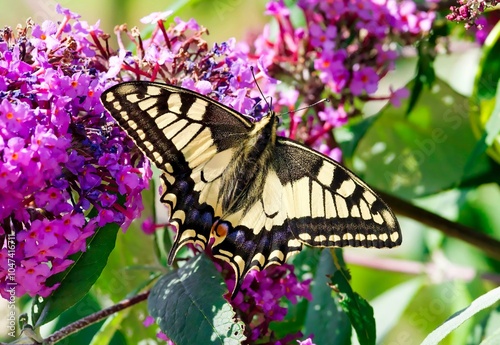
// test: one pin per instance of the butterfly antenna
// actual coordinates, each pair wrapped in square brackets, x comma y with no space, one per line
[308,106]
[269,104]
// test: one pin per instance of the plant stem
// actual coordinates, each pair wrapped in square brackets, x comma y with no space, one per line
[93,318]
[438,270]
[489,245]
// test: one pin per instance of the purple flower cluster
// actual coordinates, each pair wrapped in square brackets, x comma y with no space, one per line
[59,158]
[259,302]
[342,53]
[469,11]
[180,56]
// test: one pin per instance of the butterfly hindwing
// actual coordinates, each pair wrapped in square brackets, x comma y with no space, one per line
[309,199]
[329,206]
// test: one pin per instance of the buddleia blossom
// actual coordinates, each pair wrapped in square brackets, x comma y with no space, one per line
[342,52]
[259,302]
[59,158]
[179,55]
[469,11]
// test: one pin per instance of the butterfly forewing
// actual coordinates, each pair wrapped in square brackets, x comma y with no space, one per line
[190,139]
[285,196]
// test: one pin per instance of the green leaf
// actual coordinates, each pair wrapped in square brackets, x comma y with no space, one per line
[188,306]
[110,329]
[86,306]
[324,317]
[492,127]
[425,73]
[480,303]
[492,339]
[349,136]
[358,310]
[491,132]
[77,280]
[402,154]
[484,100]
[388,313]
[490,330]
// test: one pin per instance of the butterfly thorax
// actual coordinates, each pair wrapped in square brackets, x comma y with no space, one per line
[243,181]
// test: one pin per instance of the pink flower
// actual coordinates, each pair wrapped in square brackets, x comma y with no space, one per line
[364,80]
[396,96]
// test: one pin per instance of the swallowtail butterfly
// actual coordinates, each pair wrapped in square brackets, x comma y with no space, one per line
[260,196]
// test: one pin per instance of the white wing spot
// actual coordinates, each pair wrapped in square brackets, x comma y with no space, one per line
[147,103]
[369,197]
[132,98]
[197,110]
[132,124]
[172,198]
[226,253]
[179,214]
[365,211]
[395,236]
[171,130]
[301,197]
[169,168]
[157,158]
[165,120]
[272,195]
[293,243]
[278,254]
[320,238]
[124,115]
[214,168]
[342,210]
[377,218]
[305,236]
[318,206]
[141,134]
[371,237]
[360,237]
[183,138]
[188,234]
[148,145]
[347,188]
[334,238]
[348,237]
[153,90]
[110,97]
[259,258]
[330,211]
[238,260]
[174,103]
[325,174]
[389,219]
[383,237]
[169,178]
